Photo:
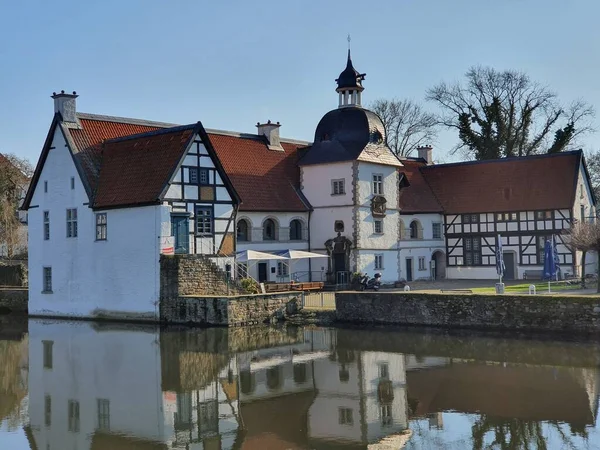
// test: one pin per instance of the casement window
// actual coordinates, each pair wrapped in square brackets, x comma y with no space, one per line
[436,229]
[103,414]
[506,217]
[377,184]
[543,215]
[47,411]
[47,347]
[540,243]
[470,218]
[269,230]
[46,225]
[47,279]
[193,175]
[282,269]
[416,231]
[378,261]
[101,226]
[204,221]
[422,263]
[45,187]
[72,223]
[472,251]
[337,187]
[378,225]
[295,230]
[72,183]
[73,409]
[345,416]
[203,176]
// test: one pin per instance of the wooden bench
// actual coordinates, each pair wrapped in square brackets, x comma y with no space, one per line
[532,274]
[308,286]
[459,291]
[277,287]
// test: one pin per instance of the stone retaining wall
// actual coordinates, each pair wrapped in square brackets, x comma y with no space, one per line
[13,275]
[520,312]
[13,301]
[229,311]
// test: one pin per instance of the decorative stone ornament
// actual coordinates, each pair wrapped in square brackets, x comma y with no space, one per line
[378,207]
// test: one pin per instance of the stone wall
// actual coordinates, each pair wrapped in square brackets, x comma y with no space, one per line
[519,312]
[229,311]
[193,275]
[13,275]
[13,301]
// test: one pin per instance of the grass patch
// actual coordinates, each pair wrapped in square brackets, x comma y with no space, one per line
[524,288]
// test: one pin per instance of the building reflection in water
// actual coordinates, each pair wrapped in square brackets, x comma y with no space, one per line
[103,387]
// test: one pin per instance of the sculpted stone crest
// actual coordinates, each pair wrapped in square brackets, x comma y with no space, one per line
[378,206]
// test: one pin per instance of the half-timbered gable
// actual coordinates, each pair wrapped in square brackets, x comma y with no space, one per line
[526,201]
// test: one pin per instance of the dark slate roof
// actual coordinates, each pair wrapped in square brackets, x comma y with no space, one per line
[343,134]
[350,77]
[540,182]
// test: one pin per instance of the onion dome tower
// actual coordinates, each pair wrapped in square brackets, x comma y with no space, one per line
[350,85]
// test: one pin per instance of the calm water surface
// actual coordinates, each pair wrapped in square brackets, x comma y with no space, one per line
[80,386]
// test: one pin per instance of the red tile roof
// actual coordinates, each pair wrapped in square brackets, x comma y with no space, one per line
[135,170]
[266,180]
[517,184]
[418,197]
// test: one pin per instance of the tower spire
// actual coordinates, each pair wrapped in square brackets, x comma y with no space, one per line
[350,83]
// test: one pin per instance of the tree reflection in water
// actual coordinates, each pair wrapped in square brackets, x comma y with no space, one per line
[517,434]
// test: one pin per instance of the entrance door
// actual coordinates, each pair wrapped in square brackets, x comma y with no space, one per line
[180,229]
[409,269]
[339,261]
[509,266]
[262,272]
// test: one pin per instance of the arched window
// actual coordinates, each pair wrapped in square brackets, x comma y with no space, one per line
[295,230]
[269,230]
[415,230]
[242,230]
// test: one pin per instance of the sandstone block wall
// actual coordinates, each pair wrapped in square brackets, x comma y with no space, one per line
[193,275]
[229,311]
[520,312]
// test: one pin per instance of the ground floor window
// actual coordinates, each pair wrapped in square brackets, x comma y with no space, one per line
[472,249]
[282,269]
[204,221]
[379,261]
[47,281]
[422,263]
[540,243]
[345,416]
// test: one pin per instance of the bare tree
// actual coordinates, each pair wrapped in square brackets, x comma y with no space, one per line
[407,124]
[593,165]
[15,173]
[502,114]
[585,237]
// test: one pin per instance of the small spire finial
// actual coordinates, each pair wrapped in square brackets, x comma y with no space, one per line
[349,39]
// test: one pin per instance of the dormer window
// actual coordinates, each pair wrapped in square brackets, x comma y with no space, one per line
[376,137]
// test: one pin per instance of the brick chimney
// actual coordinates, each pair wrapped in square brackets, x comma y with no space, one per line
[66,105]
[426,153]
[271,132]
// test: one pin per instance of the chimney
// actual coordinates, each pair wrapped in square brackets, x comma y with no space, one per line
[66,105]
[271,132]
[426,153]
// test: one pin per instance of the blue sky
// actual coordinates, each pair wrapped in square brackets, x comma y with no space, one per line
[231,63]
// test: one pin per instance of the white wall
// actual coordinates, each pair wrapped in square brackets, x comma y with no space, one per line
[120,274]
[316,184]
[120,366]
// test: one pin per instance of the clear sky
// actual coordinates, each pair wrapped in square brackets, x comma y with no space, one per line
[232,63]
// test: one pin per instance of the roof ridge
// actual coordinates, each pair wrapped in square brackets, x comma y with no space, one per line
[152,133]
[507,159]
[252,136]
[127,120]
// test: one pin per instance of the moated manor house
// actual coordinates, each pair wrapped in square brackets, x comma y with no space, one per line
[111,194]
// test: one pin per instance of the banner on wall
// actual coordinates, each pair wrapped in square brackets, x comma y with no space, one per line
[167,245]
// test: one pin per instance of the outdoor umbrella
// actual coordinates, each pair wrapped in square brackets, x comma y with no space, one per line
[499,259]
[549,262]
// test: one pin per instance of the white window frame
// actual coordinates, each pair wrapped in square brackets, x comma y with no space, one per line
[422,265]
[377,182]
[378,264]
[71,222]
[46,227]
[282,269]
[338,186]
[101,226]
[437,225]
[377,222]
